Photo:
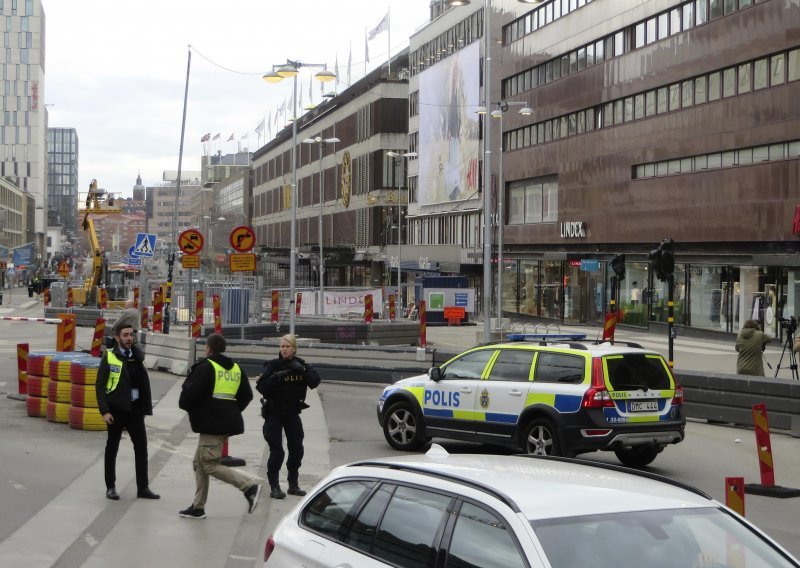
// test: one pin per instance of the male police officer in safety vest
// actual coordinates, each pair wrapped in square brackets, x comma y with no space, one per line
[214,394]
[123,397]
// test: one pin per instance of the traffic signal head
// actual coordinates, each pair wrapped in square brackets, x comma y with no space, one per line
[663,259]
[618,266]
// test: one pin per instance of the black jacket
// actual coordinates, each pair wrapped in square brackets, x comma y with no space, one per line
[284,382]
[120,397]
[209,415]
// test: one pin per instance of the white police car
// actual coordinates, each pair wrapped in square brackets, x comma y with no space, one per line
[545,398]
[487,511]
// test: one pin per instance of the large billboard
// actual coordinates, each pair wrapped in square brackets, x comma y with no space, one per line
[448,128]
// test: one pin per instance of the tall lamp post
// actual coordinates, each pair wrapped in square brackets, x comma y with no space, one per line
[399,159]
[502,108]
[278,74]
[487,155]
[322,143]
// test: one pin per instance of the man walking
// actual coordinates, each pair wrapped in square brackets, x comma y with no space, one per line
[123,397]
[214,394]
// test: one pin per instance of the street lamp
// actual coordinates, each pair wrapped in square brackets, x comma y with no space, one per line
[502,107]
[278,74]
[487,155]
[398,157]
[322,143]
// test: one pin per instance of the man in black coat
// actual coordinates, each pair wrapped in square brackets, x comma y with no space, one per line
[124,399]
[214,394]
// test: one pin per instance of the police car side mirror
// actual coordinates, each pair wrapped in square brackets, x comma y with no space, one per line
[435,373]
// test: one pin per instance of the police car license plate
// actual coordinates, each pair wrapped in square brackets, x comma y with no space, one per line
[642,405]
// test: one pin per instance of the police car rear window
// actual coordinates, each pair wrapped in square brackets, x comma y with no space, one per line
[635,371]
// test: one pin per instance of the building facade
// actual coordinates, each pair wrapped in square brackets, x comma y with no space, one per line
[23,116]
[62,179]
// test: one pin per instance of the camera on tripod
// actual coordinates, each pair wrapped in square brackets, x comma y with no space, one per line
[789,324]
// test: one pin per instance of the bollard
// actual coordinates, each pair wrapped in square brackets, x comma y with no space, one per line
[22,367]
[69,298]
[197,324]
[217,315]
[158,305]
[392,314]
[99,335]
[276,296]
[765,464]
[65,340]
[145,318]
[136,297]
[102,298]
[46,297]
[228,460]
[423,325]
[734,494]
[298,303]
[368,308]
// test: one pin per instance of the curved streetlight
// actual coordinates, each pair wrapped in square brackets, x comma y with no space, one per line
[279,73]
[487,154]
[322,143]
[398,156]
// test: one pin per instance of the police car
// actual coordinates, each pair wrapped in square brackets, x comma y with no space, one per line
[545,398]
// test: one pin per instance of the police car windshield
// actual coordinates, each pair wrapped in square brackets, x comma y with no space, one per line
[634,371]
[654,539]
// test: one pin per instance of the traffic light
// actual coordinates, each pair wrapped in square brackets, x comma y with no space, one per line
[618,266]
[664,259]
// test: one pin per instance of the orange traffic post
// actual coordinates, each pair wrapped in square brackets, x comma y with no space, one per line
[276,296]
[145,318]
[765,462]
[102,298]
[217,315]
[158,305]
[69,298]
[298,303]
[228,460]
[22,367]
[392,313]
[46,297]
[197,324]
[65,340]
[97,338]
[734,494]
[136,297]
[423,324]
[610,325]
[368,308]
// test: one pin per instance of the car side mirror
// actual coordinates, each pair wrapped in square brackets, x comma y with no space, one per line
[435,373]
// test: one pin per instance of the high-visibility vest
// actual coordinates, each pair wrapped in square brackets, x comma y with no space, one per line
[114,371]
[226,381]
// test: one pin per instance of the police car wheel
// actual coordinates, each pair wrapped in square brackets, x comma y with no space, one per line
[637,456]
[541,439]
[402,428]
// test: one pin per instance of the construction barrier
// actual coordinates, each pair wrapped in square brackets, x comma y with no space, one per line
[217,314]
[734,494]
[38,383]
[102,298]
[83,413]
[763,445]
[368,315]
[46,297]
[69,298]
[197,324]
[298,303]
[59,389]
[22,367]
[423,324]
[136,297]
[276,296]
[392,312]
[97,338]
[66,333]
[158,306]
[145,320]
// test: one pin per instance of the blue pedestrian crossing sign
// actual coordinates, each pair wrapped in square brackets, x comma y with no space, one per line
[145,245]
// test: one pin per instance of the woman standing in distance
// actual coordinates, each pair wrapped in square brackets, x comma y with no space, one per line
[283,384]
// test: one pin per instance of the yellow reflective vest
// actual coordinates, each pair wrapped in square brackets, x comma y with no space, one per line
[114,371]
[226,381]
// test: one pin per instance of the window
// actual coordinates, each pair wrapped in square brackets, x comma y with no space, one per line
[744,78]
[687,92]
[559,368]
[777,71]
[794,65]
[674,96]
[365,527]
[700,90]
[327,512]
[512,365]
[713,86]
[480,538]
[650,103]
[411,522]
[662,100]
[625,372]
[470,366]
[760,74]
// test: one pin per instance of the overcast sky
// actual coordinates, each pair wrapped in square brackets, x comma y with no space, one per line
[116,72]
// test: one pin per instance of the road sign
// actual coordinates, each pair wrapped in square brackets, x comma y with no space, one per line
[134,261]
[145,245]
[243,238]
[190,241]
[190,261]
[242,262]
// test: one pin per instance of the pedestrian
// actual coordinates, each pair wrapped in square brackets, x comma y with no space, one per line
[283,384]
[750,344]
[124,399]
[131,315]
[214,394]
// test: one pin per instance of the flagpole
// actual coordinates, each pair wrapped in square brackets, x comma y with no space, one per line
[389,64]
[366,51]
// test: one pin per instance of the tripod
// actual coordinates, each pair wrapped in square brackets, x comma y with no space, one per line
[787,347]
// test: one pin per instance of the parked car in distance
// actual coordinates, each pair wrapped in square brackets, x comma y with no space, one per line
[441,510]
[548,398]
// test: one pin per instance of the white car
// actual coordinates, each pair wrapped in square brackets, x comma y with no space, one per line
[457,511]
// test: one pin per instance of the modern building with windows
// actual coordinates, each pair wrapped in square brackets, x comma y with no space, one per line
[62,176]
[23,116]
[652,119]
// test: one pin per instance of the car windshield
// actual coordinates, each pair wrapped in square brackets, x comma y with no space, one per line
[666,538]
[633,371]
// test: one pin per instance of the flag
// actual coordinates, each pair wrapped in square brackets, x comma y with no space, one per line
[245,135]
[217,136]
[336,72]
[381,27]
[349,64]
[231,137]
[206,137]
[260,127]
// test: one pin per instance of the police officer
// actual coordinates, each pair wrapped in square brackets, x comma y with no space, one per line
[283,383]
[123,397]
[214,394]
